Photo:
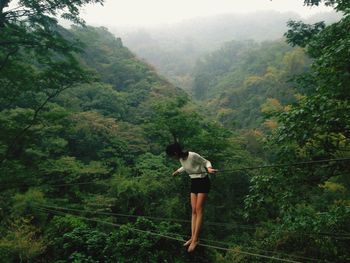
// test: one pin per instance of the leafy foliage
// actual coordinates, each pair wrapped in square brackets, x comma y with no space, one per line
[95,146]
[235,81]
[311,200]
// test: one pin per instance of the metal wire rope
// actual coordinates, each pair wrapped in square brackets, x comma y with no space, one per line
[219,171]
[173,238]
[335,235]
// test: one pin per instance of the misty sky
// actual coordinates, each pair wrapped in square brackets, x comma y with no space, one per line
[150,12]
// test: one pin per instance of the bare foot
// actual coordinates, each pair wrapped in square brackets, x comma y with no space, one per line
[188,242]
[193,246]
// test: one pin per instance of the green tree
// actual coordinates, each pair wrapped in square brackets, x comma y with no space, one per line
[311,200]
[36,62]
[22,242]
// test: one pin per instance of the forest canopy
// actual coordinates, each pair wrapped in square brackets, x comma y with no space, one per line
[84,124]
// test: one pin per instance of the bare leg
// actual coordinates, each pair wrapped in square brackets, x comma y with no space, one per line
[193,218]
[201,197]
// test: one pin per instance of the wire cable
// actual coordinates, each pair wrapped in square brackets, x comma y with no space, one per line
[219,171]
[212,241]
[173,238]
[148,217]
[262,250]
[285,165]
[334,235]
[250,248]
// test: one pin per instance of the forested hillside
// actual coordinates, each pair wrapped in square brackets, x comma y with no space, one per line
[243,80]
[174,49]
[84,124]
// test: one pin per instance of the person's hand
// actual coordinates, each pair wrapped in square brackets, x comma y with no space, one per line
[211,170]
[175,173]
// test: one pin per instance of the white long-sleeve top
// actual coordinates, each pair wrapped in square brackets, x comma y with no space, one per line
[194,165]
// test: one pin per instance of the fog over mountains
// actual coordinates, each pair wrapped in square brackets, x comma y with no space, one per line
[174,48]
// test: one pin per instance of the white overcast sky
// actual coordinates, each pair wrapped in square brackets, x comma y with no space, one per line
[151,12]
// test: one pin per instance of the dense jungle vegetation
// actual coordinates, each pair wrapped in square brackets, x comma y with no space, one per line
[84,124]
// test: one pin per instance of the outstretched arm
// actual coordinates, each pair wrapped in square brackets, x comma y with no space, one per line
[211,170]
[180,170]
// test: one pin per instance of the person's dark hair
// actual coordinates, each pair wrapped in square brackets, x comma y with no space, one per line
[175,150]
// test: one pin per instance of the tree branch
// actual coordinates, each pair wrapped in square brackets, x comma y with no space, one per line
[32,122]
[3,63]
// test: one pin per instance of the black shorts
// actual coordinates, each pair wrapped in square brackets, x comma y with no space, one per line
[200,185]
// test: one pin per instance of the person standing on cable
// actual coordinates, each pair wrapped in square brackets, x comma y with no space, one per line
[198,168]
